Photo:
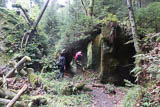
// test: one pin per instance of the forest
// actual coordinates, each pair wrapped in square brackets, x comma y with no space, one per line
[79,53]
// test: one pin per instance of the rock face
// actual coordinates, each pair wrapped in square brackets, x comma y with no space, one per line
[110,55]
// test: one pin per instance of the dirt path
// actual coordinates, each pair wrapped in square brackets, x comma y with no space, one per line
[101,99]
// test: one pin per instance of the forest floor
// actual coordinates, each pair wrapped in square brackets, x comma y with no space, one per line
[50,89]
[104,95]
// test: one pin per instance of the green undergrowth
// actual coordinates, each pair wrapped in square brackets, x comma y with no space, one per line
[54,96]
[133,95]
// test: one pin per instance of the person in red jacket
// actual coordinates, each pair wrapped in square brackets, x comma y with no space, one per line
[78,59]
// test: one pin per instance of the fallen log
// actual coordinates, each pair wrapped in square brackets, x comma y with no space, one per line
[12,102]
[22,61]
[4,102]
[72,48]
[6,94]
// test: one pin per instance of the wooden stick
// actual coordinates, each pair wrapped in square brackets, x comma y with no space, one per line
[12,102]
[98,85]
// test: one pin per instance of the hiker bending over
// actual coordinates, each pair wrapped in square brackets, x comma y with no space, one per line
[78,59]
[61,64]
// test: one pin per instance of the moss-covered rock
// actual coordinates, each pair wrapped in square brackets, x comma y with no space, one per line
[109,54]
[38,101]
[70,89]
[33,78]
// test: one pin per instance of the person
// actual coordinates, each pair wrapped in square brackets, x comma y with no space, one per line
[78,59]
[61,64]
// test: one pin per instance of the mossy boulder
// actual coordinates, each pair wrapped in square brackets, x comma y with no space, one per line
[38,101]
[110,55]
[33,78]
[70,89]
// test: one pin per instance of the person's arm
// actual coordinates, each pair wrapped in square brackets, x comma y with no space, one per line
[64,67]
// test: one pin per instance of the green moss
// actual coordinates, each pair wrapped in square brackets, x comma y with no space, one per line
[3,59]
[93,52]
[89,55]
[33,78]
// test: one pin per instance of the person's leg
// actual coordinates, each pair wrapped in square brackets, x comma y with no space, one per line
[61,73]
[58,75]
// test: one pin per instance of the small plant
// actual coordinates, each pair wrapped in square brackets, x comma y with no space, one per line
[133,95]
[110,89]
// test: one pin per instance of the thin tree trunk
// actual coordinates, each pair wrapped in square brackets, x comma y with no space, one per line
[90,9]
[84,7]
[40,16]
[35,25]
[133,26]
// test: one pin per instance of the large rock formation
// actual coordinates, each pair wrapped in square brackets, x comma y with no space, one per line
[109,53]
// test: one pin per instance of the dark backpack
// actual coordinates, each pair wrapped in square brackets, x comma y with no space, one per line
[61,61]
[79,57]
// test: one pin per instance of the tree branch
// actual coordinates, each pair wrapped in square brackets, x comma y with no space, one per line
[84,7]
[24,12]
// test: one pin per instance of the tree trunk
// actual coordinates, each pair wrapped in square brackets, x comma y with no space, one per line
[90,9]
[40,16]
[133,26]
[35,25]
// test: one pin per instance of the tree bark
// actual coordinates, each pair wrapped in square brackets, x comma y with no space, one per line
[140,3]
[133,26]
[90,9]
[12,102]
[84,7]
